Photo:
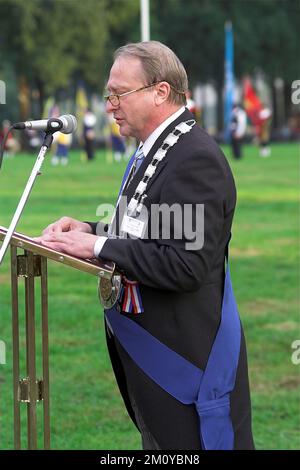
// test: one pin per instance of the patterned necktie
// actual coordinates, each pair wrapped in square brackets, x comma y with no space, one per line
[138,159]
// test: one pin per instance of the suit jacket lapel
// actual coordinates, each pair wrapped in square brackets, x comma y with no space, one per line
[185,116]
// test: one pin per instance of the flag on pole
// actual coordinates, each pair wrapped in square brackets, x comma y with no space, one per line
[229,78]
[252,103]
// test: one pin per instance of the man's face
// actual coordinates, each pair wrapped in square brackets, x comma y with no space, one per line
[133,114]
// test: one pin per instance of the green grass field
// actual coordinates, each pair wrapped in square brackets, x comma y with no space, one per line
[86,408]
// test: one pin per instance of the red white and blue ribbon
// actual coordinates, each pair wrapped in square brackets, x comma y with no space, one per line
[131,300]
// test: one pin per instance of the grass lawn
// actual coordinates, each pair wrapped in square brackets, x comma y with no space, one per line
[86,408]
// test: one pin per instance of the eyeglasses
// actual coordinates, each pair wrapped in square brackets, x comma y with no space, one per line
[114,98]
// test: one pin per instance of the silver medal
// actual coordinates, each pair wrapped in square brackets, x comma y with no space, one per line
[108,290]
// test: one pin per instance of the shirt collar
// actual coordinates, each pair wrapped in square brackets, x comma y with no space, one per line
[149,142]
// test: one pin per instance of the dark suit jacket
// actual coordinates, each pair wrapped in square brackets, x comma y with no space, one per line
[181,290]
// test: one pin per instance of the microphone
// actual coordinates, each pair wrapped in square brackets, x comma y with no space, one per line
[65,124]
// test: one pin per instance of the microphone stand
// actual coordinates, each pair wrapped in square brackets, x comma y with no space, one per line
[48,139]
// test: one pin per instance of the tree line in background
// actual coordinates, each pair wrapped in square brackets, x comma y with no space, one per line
[48,46]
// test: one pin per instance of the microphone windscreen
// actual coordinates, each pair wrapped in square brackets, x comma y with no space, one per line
[69,123]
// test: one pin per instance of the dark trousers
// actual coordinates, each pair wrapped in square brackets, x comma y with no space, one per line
[236,145]
[89,148]
[148,441]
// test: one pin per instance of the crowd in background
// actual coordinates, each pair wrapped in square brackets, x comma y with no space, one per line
[97,129]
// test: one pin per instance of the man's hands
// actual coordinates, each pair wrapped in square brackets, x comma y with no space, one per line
[69,236]
[67,224]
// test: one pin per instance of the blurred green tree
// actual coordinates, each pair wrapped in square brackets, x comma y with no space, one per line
[266,35]
[53,43]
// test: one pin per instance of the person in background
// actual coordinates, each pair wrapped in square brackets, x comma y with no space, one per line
[238,125]
[192,106]
[34,139]
[63,143]
[263,130]
[12,146]
[89,123]
[190,103]
[117,141]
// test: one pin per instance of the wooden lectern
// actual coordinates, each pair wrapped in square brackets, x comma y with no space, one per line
[31,263]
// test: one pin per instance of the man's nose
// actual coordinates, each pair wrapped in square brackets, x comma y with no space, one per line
[109,107]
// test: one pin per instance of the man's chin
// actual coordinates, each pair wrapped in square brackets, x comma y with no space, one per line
[124,130]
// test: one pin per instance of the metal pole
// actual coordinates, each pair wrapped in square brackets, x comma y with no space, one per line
[145,20]
[16,348]
[45,349]
[30,353]
[35,172]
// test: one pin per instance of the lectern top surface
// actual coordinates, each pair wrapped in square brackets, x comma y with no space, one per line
[98,267]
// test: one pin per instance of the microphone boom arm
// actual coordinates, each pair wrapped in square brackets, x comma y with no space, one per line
[34,173]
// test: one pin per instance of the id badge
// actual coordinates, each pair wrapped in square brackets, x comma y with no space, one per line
[134,226]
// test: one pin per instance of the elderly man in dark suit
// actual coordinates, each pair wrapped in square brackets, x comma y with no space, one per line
[174,337]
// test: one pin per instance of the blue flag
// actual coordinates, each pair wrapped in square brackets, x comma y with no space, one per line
[229,79]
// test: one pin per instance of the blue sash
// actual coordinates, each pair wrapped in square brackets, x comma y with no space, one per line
[208,390]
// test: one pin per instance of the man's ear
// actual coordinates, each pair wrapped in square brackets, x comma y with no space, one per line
[162,92]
